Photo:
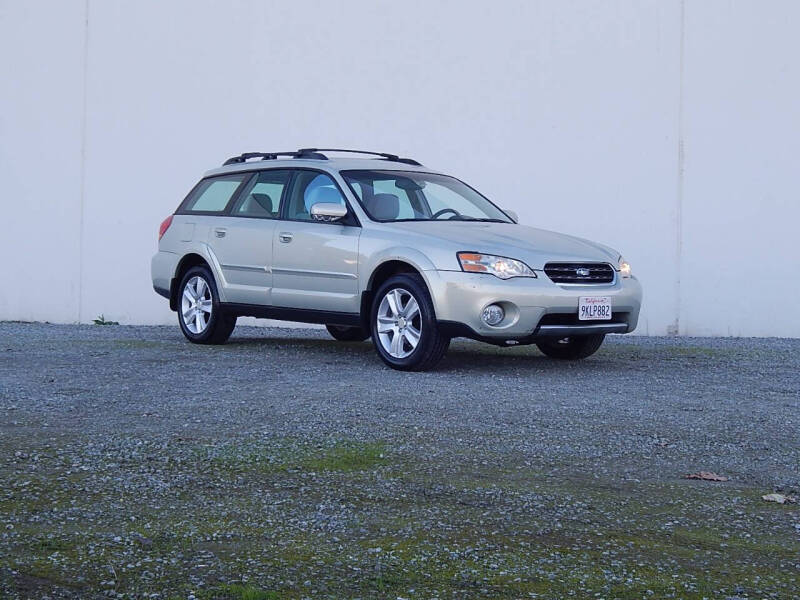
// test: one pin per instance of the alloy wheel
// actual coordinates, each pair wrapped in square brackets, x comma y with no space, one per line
[399,323]
[196,305]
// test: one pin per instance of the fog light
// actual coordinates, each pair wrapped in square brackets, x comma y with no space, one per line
[493,314]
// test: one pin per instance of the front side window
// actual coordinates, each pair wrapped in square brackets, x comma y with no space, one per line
[262,196]
[213,195]
[310,188]
[411,196]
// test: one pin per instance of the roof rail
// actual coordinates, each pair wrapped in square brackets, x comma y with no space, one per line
[315,154]
[269,156]
[391,157]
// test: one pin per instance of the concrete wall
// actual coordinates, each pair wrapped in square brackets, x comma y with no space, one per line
[667,129]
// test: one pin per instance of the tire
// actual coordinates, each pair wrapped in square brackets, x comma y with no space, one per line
[571,348]
[394,340]
[214,327]
[347,334]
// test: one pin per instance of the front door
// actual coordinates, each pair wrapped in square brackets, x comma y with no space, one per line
[315,264]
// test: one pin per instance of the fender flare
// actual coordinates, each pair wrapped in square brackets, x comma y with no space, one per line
[205,252]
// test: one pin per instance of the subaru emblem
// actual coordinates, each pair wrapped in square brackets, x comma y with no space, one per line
[582,272]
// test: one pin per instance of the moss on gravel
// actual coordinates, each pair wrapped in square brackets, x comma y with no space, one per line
[429,532]
[502,476]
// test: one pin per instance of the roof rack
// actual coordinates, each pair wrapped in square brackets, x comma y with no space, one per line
[384,155]
[269,156]
[315,154]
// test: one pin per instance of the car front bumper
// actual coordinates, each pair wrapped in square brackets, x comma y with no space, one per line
[534,307]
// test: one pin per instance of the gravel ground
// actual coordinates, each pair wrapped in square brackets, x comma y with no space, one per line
[287,465]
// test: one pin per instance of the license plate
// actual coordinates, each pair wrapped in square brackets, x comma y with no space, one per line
[594,308]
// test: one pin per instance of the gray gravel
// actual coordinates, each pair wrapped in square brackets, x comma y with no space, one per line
[287,465]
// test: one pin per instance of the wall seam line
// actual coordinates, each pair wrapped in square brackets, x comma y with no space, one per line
[83,155]
[681,170]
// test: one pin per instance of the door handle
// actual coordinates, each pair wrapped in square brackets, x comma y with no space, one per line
[220,232]
[285,237]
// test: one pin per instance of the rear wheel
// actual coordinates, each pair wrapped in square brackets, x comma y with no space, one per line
[403,325]
[199,313]
[344,333]
[571,348]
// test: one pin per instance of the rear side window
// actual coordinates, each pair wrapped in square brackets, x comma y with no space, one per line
[262,196]
[213,195]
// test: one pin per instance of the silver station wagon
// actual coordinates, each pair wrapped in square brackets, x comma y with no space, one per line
[386,248]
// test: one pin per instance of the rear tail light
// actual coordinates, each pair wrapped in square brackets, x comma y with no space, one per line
[164,226]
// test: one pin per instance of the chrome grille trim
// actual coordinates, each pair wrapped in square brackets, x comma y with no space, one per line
[582,273]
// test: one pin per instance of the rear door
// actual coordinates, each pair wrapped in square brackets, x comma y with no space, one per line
[202,215]
[242,240]
[315,263]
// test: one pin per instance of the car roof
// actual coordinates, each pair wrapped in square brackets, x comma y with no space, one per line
[333,164]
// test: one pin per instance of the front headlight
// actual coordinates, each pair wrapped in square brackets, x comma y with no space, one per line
[499,266]
[624,267]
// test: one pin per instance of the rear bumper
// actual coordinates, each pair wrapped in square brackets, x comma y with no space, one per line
[161,291]
[162,270]
[459,298]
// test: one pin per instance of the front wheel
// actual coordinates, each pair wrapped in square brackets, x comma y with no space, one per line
[571,348]
[403,325]
[199,313]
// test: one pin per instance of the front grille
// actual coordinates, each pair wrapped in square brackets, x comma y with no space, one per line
[588,273]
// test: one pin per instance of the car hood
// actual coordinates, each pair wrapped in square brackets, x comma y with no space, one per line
[533,246]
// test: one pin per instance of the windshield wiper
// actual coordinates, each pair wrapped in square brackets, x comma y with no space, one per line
[468,218]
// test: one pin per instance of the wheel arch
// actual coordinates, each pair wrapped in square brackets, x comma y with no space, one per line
[384,268]
[189,260]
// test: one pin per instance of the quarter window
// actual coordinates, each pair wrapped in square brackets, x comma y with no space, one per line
[213,195]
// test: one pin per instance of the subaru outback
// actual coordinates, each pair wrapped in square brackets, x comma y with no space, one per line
[382,248]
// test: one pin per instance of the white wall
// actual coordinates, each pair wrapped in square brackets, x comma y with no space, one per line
[667,130]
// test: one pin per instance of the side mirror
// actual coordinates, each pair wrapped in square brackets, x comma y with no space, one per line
[512,215]
[328,211]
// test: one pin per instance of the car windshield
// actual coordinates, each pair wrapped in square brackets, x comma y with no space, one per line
[412,196]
